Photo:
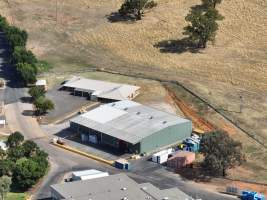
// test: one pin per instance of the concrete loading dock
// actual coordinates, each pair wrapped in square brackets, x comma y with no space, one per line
[100,90]
[131,127]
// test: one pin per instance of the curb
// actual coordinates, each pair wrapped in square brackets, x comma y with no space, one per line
[91,156]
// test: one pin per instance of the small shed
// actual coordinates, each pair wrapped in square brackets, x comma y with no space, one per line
[181,159]
[41,83]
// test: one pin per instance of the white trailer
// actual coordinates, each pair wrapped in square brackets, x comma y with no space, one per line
[88,174]
[160,157]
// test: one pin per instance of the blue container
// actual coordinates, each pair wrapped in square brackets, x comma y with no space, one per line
[119,165]
[251,195]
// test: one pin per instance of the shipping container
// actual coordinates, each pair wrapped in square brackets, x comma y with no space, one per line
[160,157]
[181,159]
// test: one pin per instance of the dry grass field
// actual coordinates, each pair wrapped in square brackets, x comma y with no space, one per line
[75,35]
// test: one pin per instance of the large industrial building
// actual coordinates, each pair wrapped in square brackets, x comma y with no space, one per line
[100,90]
[114,187]
[130,127]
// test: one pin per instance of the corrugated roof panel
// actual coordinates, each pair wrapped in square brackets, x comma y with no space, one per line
[103,114]
[131,125]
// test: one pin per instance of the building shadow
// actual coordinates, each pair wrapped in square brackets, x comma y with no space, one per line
[67,134]
[177,46]
[117,17]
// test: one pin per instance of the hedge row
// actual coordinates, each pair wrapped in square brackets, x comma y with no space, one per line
[23,59]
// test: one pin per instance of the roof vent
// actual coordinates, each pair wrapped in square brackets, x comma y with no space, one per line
[151,117]
[124,188]
[165,198]
[124,198]
[113,104]
[138,113]
[148,197]
[125,109]
[164,122]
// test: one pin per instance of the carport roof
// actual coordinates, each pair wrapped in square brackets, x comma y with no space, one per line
[102,89]
[127,120]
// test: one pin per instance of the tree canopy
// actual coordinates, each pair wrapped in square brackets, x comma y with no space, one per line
[135,8]
[25,162]
[221,152]
[203,26]
[36,92]
[43,105]
[27,72]
[22,55]
[211,3]
[15,139]
[5,183]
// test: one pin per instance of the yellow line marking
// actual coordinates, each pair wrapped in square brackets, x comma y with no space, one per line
[109,162]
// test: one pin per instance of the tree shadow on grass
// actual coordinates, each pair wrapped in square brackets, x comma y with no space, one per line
[117,17]
[195,174]
[177,46]
[28,113]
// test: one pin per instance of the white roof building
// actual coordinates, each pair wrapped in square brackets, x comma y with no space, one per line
[103,89]
[40,83]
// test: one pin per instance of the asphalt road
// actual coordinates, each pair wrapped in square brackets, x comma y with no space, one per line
[62,161]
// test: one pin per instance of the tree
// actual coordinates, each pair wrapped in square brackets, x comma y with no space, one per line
[43,105]
[202,26]
[221,152]
[30,148]
[16,36]
[6,167]
[36,92]
[27,72]
[3,23]
[22,55]
[15,153]
[5,183]
[211,3]
[135,8]
[26,173]
[15,139]
[2,154]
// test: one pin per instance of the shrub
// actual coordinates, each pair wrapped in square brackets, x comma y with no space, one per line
[27,72]
[22,55]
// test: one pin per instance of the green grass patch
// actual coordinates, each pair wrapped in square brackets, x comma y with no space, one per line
[16,196]
[190,100]
[43,66]
[3,137]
